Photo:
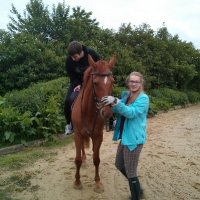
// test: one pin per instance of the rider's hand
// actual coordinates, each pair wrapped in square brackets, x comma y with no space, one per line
[106,100]
[77,88]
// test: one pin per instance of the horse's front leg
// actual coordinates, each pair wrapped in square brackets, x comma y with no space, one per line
[78,161]
[83,155]
[96,160]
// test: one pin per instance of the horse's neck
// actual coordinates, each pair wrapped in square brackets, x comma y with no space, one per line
[88,103]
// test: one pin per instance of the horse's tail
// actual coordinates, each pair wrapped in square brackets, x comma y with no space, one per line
[86,141]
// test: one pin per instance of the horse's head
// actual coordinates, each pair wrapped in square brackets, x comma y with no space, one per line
[102,83]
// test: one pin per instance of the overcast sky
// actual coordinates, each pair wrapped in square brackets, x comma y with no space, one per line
[181,17]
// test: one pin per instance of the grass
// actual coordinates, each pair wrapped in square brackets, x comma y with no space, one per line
[30,155]
[15,183]
[19,181]
[21,159]
[5,196]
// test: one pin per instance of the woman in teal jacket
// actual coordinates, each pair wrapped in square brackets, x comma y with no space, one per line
[131,111]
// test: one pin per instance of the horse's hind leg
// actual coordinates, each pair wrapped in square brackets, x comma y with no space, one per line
[78,161]
[96,160]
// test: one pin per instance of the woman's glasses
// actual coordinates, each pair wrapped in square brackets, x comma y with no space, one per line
[134,82]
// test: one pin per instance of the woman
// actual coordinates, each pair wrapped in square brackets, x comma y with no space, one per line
[130,129]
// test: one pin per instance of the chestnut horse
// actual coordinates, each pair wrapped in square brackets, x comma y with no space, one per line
[89,115]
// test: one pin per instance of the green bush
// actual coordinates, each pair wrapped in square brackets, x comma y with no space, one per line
[37,112]
[172,96]
[157,105]
[117,91]
[165,98]
[49,120]
[15,126]
[35,97]
[193,96]
[33,113]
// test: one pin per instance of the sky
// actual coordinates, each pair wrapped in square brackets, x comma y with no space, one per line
[181,17]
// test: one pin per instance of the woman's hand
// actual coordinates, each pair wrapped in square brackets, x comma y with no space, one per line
[106,100]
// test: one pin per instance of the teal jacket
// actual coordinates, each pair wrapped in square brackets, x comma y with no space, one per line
[134,131]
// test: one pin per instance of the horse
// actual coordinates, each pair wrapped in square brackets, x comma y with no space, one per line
[89,115]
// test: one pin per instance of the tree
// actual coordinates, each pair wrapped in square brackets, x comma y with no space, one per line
[27,60]
[56,25]
[60,23]
[36,20]
[35,46]
[81,26]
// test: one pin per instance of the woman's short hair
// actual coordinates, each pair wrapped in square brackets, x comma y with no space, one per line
[135,74]
[74,47]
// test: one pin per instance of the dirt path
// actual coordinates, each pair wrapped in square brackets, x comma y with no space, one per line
[169,166]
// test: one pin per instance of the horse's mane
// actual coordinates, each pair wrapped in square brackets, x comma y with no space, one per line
[86,76]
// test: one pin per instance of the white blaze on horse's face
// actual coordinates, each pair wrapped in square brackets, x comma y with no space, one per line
[105,80]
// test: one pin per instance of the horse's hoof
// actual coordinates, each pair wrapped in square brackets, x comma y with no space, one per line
[99,188]
[78,186]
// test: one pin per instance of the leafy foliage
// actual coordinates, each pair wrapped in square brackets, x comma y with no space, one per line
[157,105]
[172,96]
[32,113]
[34,97]
[193,96]
[34,48]
[33,51]
[36,19]
[27,60]
[14,126]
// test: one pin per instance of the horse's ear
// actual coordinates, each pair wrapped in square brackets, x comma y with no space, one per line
[91,61]
[112,61]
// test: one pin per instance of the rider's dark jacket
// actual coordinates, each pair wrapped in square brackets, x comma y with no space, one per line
[75,70]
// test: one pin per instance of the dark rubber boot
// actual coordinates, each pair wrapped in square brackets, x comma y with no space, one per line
[134,185]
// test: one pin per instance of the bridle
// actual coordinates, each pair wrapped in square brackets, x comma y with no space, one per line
[96,99]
